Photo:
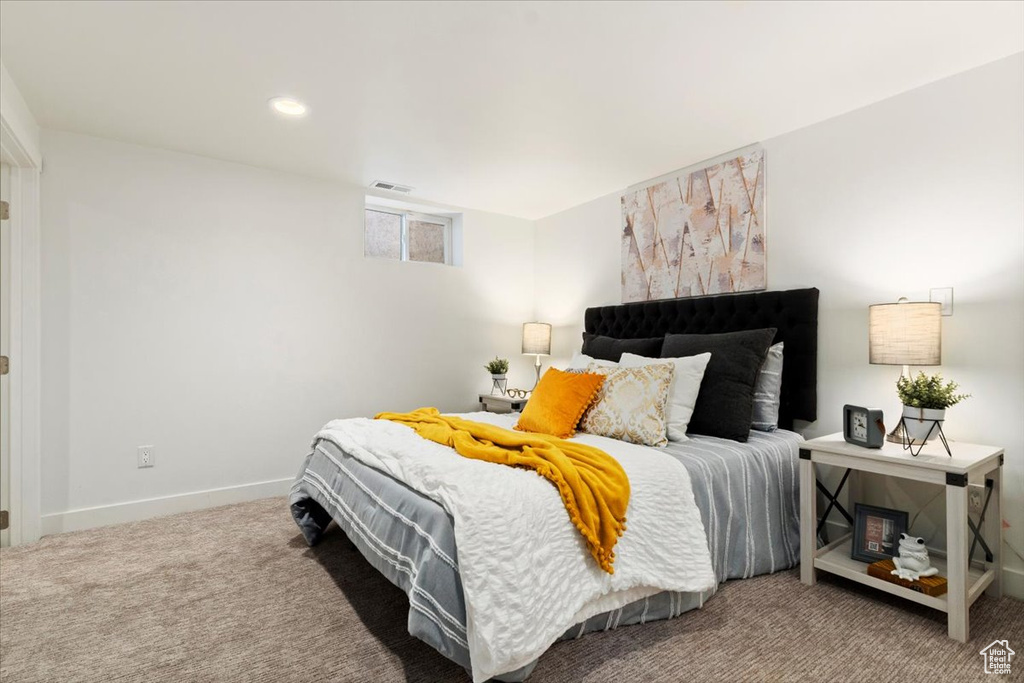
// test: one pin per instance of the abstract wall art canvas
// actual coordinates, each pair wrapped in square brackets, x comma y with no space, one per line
[696,233]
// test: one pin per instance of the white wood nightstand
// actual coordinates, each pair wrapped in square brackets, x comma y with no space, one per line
[494,403]
[970,464]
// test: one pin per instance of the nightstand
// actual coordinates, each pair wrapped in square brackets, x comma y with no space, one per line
[494,403]
[968,572]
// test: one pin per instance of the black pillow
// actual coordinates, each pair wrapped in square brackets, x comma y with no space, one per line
[609,348]
[726,399]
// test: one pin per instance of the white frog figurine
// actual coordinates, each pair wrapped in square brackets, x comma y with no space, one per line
[912,562]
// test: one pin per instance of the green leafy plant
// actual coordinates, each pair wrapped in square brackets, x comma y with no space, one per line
[498,366]
[928,392]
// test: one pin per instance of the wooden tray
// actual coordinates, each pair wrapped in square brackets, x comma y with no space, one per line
[929,585]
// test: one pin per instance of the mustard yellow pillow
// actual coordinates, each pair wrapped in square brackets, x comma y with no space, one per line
[558,402]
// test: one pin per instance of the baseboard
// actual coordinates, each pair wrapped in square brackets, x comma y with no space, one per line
[1013,583]
[134,511]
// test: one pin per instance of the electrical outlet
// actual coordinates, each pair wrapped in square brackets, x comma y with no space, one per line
[147,456]
[975,499]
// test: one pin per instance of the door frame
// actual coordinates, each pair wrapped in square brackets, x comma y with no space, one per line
[25,346]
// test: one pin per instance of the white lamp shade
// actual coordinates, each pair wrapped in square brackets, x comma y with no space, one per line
[906,333]
[537,339]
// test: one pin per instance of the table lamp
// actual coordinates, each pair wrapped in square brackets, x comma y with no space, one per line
[905,333]
[537,342]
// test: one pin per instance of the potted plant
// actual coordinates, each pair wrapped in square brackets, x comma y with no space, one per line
[925,399]
[498,368]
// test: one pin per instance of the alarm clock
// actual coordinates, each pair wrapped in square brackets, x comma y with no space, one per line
[863,426]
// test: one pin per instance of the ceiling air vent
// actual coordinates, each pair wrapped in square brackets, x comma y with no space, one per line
[390,187]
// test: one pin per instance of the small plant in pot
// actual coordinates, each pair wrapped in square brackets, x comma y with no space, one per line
[498,368]
[925,399]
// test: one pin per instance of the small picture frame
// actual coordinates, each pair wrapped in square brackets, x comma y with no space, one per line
[876,532]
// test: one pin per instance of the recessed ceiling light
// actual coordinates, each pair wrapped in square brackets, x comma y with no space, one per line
[288,106]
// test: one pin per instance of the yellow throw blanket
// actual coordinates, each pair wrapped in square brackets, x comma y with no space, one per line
[593,485]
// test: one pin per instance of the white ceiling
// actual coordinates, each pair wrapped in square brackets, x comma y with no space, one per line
[514,107]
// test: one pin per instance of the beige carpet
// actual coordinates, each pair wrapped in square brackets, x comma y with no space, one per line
[234,594]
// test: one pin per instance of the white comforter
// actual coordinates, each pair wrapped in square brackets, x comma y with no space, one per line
[526,572]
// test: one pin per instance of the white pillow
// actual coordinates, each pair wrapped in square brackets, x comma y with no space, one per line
[682,395]
[580,361]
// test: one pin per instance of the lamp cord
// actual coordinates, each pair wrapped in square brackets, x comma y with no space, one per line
[923,507]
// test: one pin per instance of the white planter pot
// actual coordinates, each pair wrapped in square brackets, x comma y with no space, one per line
[498,383]
[922,424]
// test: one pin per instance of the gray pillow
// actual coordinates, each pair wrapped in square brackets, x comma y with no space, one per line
[609,348]
[768,392]
[725,403]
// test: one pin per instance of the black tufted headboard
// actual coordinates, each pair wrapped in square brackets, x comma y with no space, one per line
[793,312]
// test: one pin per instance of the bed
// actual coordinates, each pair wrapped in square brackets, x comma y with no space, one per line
[746,493]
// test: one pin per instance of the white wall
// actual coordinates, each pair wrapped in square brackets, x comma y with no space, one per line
[224,313]
[922,190]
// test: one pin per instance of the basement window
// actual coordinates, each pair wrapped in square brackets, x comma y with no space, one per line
[402,235]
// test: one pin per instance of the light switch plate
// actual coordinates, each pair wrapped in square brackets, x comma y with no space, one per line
[944,296]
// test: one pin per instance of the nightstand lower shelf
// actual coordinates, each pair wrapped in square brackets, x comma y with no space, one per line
[835,559]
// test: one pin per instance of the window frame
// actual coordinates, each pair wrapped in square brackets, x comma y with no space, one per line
[408,215]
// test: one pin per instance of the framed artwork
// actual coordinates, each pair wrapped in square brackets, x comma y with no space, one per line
[876,532]
[697,233]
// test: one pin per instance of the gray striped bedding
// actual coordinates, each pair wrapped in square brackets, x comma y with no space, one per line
[747,494]
[749,500]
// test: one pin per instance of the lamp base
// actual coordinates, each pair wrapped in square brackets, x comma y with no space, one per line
[897,434]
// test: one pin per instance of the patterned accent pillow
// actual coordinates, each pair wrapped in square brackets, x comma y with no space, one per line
[768,392]
[631,404]
[682,395]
